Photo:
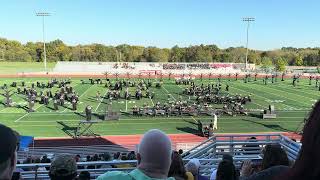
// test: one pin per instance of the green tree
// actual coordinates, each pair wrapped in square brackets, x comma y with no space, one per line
[177,54]
[266,62]
[298,60]
[280,64]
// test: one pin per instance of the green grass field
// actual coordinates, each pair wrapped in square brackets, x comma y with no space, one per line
[292,105]
[19,67]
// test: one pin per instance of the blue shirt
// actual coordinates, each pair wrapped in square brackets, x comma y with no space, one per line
[133,175]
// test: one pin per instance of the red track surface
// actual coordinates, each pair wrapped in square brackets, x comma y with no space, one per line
[128,140]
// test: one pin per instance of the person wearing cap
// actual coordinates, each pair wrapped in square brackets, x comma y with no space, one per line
[9,143]
[154,159]
[193,166]
[63,167]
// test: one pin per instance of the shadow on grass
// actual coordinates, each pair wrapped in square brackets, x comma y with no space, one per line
[275,127]
[256,115]
[189,130]
[194,129]
[26,108]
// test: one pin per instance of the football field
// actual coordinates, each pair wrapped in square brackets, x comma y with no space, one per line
[292,105]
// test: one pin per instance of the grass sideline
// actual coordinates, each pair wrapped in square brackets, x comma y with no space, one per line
[19,67]
[292,105]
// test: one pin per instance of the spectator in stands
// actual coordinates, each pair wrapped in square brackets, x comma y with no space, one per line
[193,166]
[180,151]
[77,158]
[9,144]
[95,158]
[117,156]
[63,167]
[251,148]
[154,159]
[84,175]
[37,160]
[225,157]
[88,158]
[27,161]
[16,176]
[177,169]
[123,158]
[227,171]
[106,157]
[274,162]
[45,159]
[131,156]
[307,165]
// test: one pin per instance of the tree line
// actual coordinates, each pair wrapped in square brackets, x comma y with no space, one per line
[57,50]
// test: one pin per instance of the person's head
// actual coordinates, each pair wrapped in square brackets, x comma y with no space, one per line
[116,155]
[274,155]
[227,157]
[63,167]
[154,154]
[180,151]
[95,157]
[177,167]
[88,158]
[106,157]
[84,175]
[9,144]
[307,165]
[226,171]
[77,158]
[193,166]
[131,156]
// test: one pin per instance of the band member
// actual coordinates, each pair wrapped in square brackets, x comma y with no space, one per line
[215,121]
[55,105]
[74,104]
[98,96]
[88,112]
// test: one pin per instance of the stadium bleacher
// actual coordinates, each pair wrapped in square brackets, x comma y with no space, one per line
[144,67]
[208,152]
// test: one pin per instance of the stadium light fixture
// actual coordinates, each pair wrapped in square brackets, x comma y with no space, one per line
[248,20]
[44,14]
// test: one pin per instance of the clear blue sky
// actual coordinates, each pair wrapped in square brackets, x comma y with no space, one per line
[165,23]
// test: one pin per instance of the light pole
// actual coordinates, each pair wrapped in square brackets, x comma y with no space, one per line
[248,20]
[44,14]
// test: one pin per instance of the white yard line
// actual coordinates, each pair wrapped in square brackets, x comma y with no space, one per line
[102,100]
[5,108]
[85,91]
[151,101]
[17,120]
[281,91]
[126,105]
[280,95]
[79,99]
[254,95]
[194,119]
[268,98]
[168,92]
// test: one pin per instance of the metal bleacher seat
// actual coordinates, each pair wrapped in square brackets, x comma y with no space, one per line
[208,152]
